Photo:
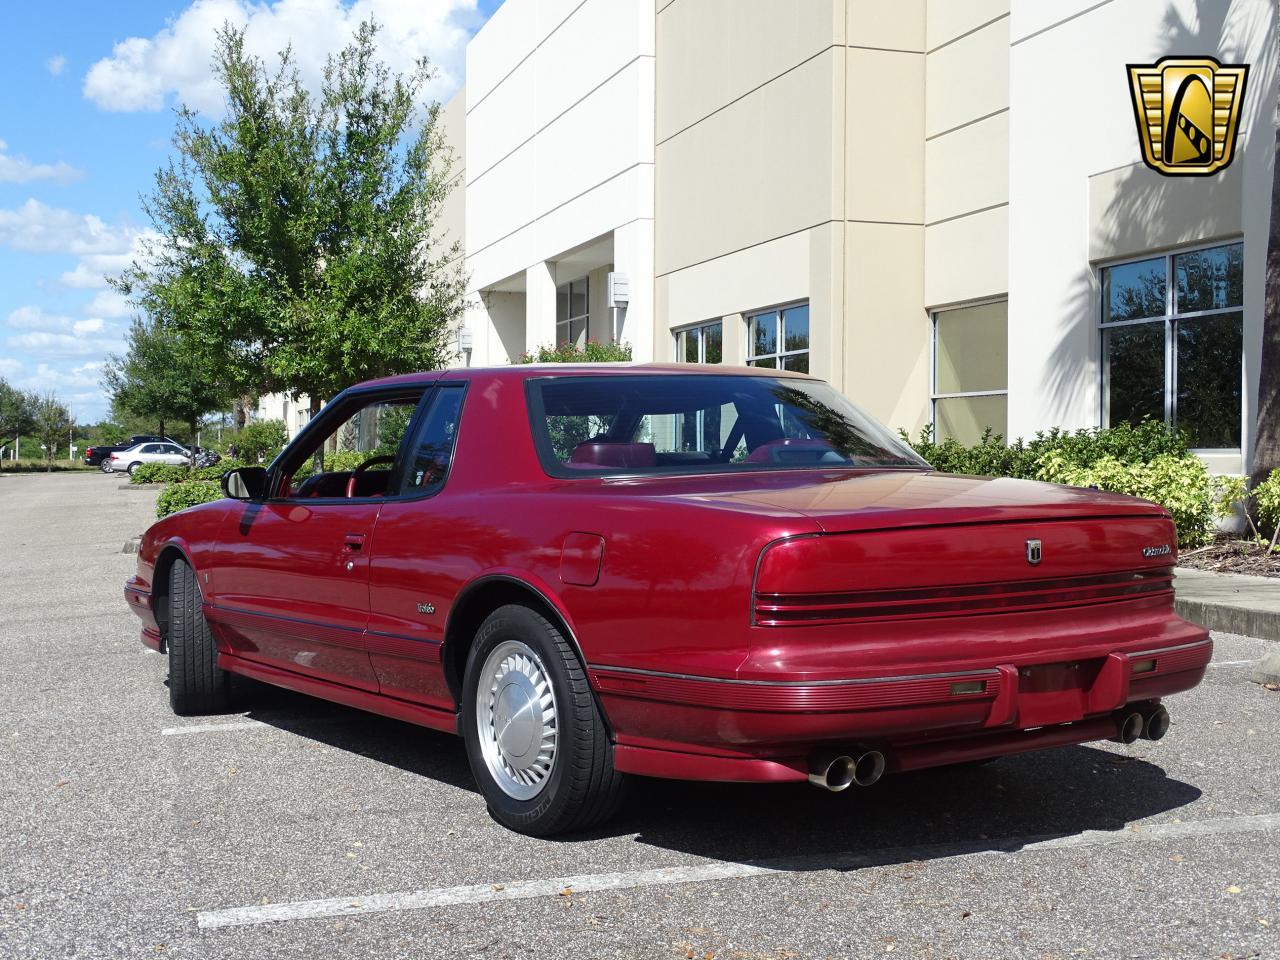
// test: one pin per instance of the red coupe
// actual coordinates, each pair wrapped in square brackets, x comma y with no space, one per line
[674,571]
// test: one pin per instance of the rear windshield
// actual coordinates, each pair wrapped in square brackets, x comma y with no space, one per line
[673,423]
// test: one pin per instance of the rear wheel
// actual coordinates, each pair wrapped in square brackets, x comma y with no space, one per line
[535,739]
[196,683]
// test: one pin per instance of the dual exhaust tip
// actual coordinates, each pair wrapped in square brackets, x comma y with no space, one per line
[836,771]
[1151,723]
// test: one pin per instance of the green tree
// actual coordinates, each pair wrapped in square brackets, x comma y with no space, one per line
[297,232]
[166,374]
[16,414]
[51,425]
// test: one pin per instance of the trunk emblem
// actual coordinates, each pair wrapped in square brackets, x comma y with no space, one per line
[1035,552]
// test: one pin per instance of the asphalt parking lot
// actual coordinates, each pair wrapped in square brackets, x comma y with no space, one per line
[297,829]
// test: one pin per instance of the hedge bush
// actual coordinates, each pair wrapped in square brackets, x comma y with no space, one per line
[180,496]
[1146,460]
[1181,485]
[167,473]
[593,351]
[992,457]
[158,473]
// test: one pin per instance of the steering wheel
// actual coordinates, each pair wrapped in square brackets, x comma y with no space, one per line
[358,471]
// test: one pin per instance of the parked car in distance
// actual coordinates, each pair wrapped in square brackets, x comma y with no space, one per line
[93,456]
[696,572]
[127,461]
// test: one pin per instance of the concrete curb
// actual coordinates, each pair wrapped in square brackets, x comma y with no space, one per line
[1239,620]
[1268,671]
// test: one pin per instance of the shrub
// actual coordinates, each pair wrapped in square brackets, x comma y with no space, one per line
[592,352]
[1181,485]
[159,473]
[180,496]
[992,457]
[262,438]
[1266,500]
[1262,505]
[217,470]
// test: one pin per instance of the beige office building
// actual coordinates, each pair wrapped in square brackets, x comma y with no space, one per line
[938,205]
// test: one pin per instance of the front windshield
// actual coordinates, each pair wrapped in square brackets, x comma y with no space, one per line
[694,423]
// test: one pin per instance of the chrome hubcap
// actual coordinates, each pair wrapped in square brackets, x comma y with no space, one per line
[516,720]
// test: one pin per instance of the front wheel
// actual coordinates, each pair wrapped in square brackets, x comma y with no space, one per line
[132,468]
[196,683]
[535,739]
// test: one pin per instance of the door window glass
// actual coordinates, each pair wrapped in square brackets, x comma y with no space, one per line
[429,454]
[363,441]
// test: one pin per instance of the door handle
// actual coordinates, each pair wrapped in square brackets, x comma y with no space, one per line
[353,543]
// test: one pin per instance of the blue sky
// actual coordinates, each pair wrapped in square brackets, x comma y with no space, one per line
[86,121]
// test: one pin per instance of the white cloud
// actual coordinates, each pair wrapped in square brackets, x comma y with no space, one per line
[55,64]
[35,227]
[9,367]
[93,269]
[62,344]
[108,303]
[92,325]
[144,73]
[31,317]
[21,170]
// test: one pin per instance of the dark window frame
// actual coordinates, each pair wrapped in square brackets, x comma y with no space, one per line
[340,409]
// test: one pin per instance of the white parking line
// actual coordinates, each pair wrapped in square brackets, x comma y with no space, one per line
[1229,663]
[665,876]
[212,727]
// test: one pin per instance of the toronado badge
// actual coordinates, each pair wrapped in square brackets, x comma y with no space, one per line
[1188,111]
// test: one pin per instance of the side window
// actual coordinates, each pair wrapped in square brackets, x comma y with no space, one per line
[427,458]
[351,449]
[150,448]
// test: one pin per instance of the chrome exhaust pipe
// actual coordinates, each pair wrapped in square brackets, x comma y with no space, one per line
[1129,726]
[831,771]
[1155,723]
[868,768]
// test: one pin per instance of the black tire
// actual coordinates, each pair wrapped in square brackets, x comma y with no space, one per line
[196,683]
[583,789]
[132,467]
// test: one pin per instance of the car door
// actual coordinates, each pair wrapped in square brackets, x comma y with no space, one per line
[291,577]
[176,455]
[421,554]
[147,453]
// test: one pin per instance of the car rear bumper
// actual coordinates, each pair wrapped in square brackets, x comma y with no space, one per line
[703,728]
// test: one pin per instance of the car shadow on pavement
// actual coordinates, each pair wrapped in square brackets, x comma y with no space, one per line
[414,749]
[929,814]
[947,811]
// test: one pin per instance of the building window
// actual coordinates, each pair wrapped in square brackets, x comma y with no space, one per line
[701,344]
[572,312]
[1173,343]
[971,371]
[779,339]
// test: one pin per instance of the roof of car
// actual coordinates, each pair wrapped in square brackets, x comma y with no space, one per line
[525,371]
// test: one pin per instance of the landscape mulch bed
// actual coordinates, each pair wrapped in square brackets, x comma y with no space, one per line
[1227,555]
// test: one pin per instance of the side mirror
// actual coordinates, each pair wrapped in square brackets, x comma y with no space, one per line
[246,483]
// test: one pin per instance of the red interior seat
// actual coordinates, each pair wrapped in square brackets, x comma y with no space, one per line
[603,453]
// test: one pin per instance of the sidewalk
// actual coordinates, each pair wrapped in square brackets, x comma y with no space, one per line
[1230,602]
